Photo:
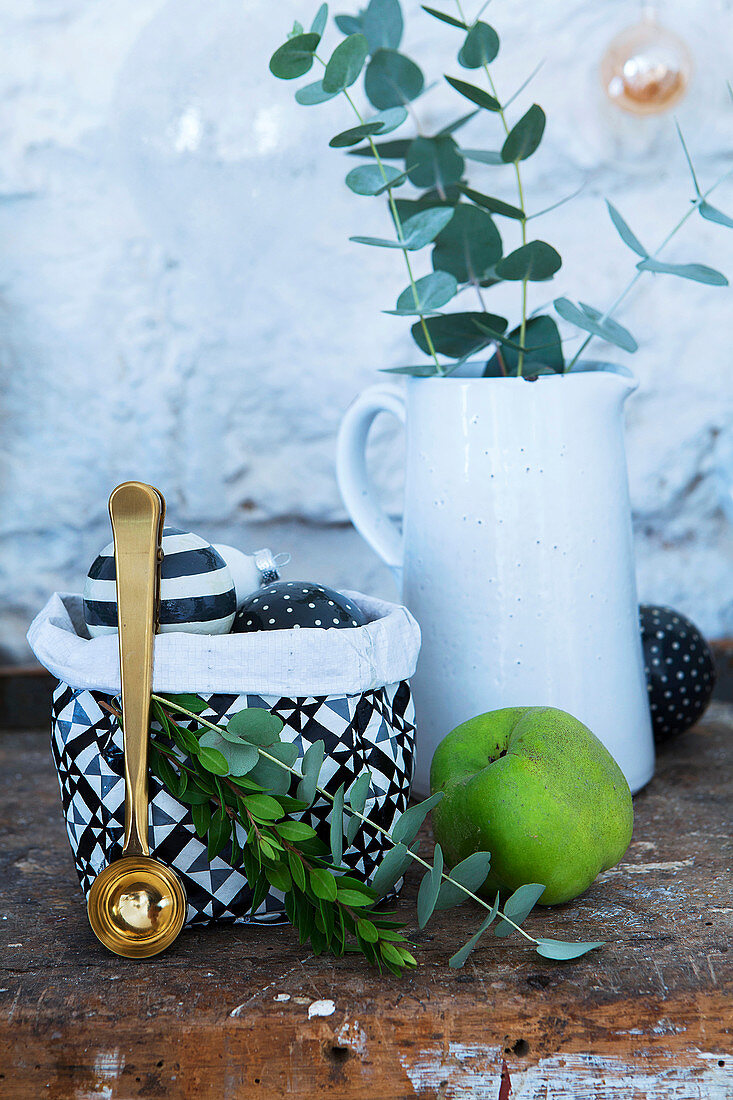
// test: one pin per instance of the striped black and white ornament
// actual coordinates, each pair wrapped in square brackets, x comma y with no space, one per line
[295,604]
[680,671]
[197,593]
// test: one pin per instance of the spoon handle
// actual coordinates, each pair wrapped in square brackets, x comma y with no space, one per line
[137,512]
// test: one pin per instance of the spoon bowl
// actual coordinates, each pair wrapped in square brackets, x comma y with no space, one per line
[137,907]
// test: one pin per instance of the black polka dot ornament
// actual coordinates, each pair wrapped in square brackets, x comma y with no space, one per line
[294,605]
[680,671]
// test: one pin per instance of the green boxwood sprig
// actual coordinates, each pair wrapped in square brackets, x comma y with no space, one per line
[237,780]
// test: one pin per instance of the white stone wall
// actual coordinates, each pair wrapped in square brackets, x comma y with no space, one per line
[179,301]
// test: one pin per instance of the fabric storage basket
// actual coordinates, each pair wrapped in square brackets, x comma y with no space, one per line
[349,688]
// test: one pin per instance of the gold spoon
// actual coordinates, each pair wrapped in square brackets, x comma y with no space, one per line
[136,906]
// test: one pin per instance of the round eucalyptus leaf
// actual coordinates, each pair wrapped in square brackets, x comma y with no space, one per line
[392,80]
[313,94]
[524,138]
[391,119]
[480,48]
[433,291]
[383,25]
[318,25]
[295,57]
[469,245]
[345,63]
[349,24]
[422,228]
[534,262]
[434,162]
[369,179]
[457,334]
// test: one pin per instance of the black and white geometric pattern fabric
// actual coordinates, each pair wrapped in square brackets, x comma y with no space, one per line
[197,593]
[373,730]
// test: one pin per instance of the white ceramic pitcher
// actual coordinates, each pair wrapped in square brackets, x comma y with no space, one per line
[517,554]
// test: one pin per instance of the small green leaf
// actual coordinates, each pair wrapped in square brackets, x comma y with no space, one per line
[201,818]
[311,771]
[420,370]
[213,761]
[408,824]
[345,63]
[688,158]
[369,179]
[297,870]
[390,119]
[279,877]
[480,48]
[313,94]
[263,807]
[434,162]
[422,228]
[359,791]
[543,348]
[348,24]
[494,206]
[591,320]
[323,884]
[471,873]
[367,930]
[474,94]
[256,725]
[712,214]
[519,906]
[388,150]
[318,25]
[297,29]
[382,24]
[430,888]
[524,138]
[625,233]
[392,80]
[534,262]
[445,18]
[219,832]
[457,961]
[560,950]
[458,335]
[295,830]
[451,127]
[433,291]
[469,245]
[354,135]
[295,57]
[353,897]
[698,273]
[194,703]
[377,242]
[337,827]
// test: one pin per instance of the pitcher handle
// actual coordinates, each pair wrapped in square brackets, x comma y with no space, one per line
[357,492]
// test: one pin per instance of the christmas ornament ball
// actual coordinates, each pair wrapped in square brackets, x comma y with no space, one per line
[197,593]
[680,671]
[296,604]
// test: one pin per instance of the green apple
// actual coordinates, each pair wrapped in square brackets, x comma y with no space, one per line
[533,786]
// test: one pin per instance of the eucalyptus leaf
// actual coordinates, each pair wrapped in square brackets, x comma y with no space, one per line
[534,262]
[354,135]
[592,321]
[295,57]
[378,242]
[297,29]
[480,48]
[543,348]
[688,158]
[430,888]
[337,827]
[312,94]
[458,960]
[420,370]
[712,214]
[523,85]
[393,182]
[422,228]
[474,94]
[458,335]
[433,291]
[349,24]
[257,725]
[524,138]
[451,127]
[392,868]
[470,873]
[368,179]
[270,775]
[494,206]
[698,273]
[311,771]
[345,63]
[388,150]
[408,824]
[518,907]
[241,758]
[562,951]
[382,24]
[483,156]
[434,162]
[468,245]
[359,792]
[392,80]
[445,18]
[318,25]
[625,233]
[390,119]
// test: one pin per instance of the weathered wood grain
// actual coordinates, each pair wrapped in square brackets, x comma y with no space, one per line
[235,1011]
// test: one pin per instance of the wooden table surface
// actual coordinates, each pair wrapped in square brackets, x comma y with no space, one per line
[244,1012]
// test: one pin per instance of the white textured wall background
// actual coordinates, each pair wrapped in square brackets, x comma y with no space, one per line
[179,301]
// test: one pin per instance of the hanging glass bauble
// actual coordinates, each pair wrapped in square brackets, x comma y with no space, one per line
[646,68]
